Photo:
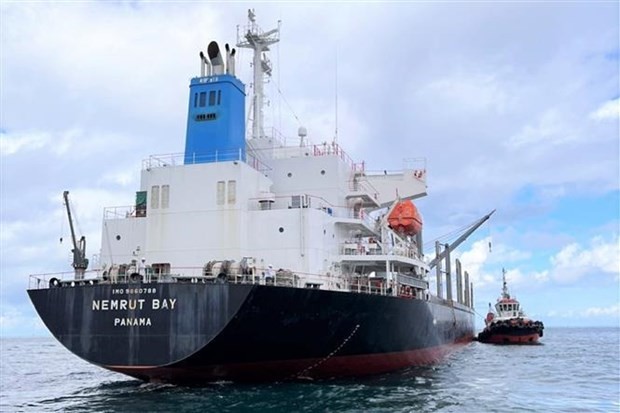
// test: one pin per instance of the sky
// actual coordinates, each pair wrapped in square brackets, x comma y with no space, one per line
[513,105]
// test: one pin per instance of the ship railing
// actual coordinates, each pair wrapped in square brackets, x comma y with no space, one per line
[411,280]
[364,216]
[415,165]
[176,159]
[119,212]
[364,186]
[281,149]
[42,281]
[354,247]
[370,285]
[332,149]
[195,275]
[271,201]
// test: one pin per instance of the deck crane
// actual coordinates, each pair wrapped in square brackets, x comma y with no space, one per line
[80,262]
[459,240]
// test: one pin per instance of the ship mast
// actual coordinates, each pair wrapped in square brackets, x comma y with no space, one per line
[254,38]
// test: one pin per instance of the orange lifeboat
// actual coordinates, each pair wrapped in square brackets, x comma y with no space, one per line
[405,218]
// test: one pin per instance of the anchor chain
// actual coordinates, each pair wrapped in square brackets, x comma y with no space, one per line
[301,374]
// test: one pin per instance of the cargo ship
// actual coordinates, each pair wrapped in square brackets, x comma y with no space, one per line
[251,257]
[509,324]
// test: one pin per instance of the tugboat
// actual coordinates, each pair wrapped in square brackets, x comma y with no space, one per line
[249,257]
[509,324]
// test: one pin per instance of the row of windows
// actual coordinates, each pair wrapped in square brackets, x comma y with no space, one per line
[160,196]
[222,195]
[200,99]
[155,196]
[508,307]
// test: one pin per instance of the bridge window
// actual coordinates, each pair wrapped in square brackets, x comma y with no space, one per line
[219,97]
[155,196]
[212,98]
[195,99]
[232,192]
[165,196]
[221,186]
[203,99]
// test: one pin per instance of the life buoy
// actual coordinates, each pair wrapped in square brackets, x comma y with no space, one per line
[54,282]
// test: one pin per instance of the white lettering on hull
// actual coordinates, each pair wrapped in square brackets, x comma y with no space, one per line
[121,304]
[136,304]
[132,322]
[164,304]
[133,304]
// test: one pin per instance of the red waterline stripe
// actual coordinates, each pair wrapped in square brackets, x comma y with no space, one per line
[337,366]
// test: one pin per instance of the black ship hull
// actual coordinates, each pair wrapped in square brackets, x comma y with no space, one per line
[188,332]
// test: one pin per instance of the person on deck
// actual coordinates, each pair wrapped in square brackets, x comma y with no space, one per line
[142,267]
[270,275]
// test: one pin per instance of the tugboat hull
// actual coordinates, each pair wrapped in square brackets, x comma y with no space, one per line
[512,334]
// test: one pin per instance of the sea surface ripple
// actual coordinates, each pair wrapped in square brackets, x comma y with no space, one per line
[574,370]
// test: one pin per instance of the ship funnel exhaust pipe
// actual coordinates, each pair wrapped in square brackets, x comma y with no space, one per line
[204,62]
[216,58]
[230,60]
[227,48]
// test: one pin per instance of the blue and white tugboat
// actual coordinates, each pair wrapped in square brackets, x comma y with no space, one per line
[252,258]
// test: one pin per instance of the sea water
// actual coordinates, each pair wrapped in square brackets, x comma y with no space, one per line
[573,370]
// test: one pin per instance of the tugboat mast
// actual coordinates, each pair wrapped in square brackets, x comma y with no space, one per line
[505,293]
[259,41]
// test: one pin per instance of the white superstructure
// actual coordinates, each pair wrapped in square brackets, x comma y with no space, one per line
[308,210]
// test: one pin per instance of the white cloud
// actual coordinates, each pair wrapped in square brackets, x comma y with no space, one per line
[561,313]
[468,92]
[75,142]
[23,141]
[550,129]
[120,177]
[480,257]
[612,310]
[90,48]
[572,263]
[575,261]
[607,111]
[590,313]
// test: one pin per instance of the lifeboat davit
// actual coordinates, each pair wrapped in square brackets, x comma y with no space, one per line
[405,218]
